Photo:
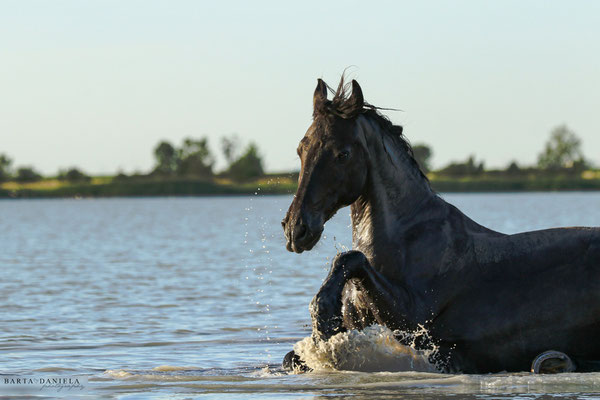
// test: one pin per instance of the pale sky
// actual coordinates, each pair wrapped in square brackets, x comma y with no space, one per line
[97,84]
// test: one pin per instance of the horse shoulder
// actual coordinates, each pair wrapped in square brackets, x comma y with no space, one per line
[443,243]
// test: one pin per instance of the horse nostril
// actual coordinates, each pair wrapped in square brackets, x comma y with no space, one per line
[300,232]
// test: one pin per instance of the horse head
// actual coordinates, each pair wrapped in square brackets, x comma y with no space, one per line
[333,166]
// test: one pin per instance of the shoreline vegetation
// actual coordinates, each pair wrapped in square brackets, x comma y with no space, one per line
[275,184]
[188,170]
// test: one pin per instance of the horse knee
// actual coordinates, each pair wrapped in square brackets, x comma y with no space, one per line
[349,263]
[344,267]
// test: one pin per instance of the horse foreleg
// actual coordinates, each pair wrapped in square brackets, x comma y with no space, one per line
[353,295]
[379,299]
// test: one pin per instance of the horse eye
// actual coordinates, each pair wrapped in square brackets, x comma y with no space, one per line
[343,156]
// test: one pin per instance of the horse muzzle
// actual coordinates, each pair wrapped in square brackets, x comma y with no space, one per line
[301,233]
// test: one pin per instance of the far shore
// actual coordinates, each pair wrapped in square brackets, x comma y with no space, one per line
[271,184]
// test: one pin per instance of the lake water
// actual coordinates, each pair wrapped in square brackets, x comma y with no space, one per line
[197,297]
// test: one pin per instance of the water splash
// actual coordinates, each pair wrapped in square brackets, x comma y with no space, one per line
[373,349]
[258,262]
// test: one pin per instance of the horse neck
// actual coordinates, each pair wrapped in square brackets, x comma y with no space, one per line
[394,193]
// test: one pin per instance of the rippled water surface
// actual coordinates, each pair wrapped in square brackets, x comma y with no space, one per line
[193,297]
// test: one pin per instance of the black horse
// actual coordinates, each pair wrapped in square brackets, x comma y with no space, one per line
[490,301]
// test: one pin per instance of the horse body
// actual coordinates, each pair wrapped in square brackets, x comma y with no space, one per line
[518,296]
[493,301]
[490,301]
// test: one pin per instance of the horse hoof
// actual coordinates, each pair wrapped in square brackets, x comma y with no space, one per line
[552,362]
[293,363]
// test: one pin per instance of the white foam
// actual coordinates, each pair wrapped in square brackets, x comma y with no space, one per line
[118,373]
[266,372]
[373,349]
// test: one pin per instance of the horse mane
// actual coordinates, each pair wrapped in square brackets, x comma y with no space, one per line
[341,107]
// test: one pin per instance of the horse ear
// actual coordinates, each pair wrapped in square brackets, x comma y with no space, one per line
[356,99]
[320,95]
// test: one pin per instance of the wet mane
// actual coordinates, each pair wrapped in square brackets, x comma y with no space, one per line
[341,107]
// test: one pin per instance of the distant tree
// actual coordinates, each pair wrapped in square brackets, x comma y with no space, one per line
[73,175]
[27,174]
[248,166]
[5,163]
[195,158]
[167,158]
[230,148]
[513,169]
[468,168]
[563,150]
[121,176]
[422,154]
